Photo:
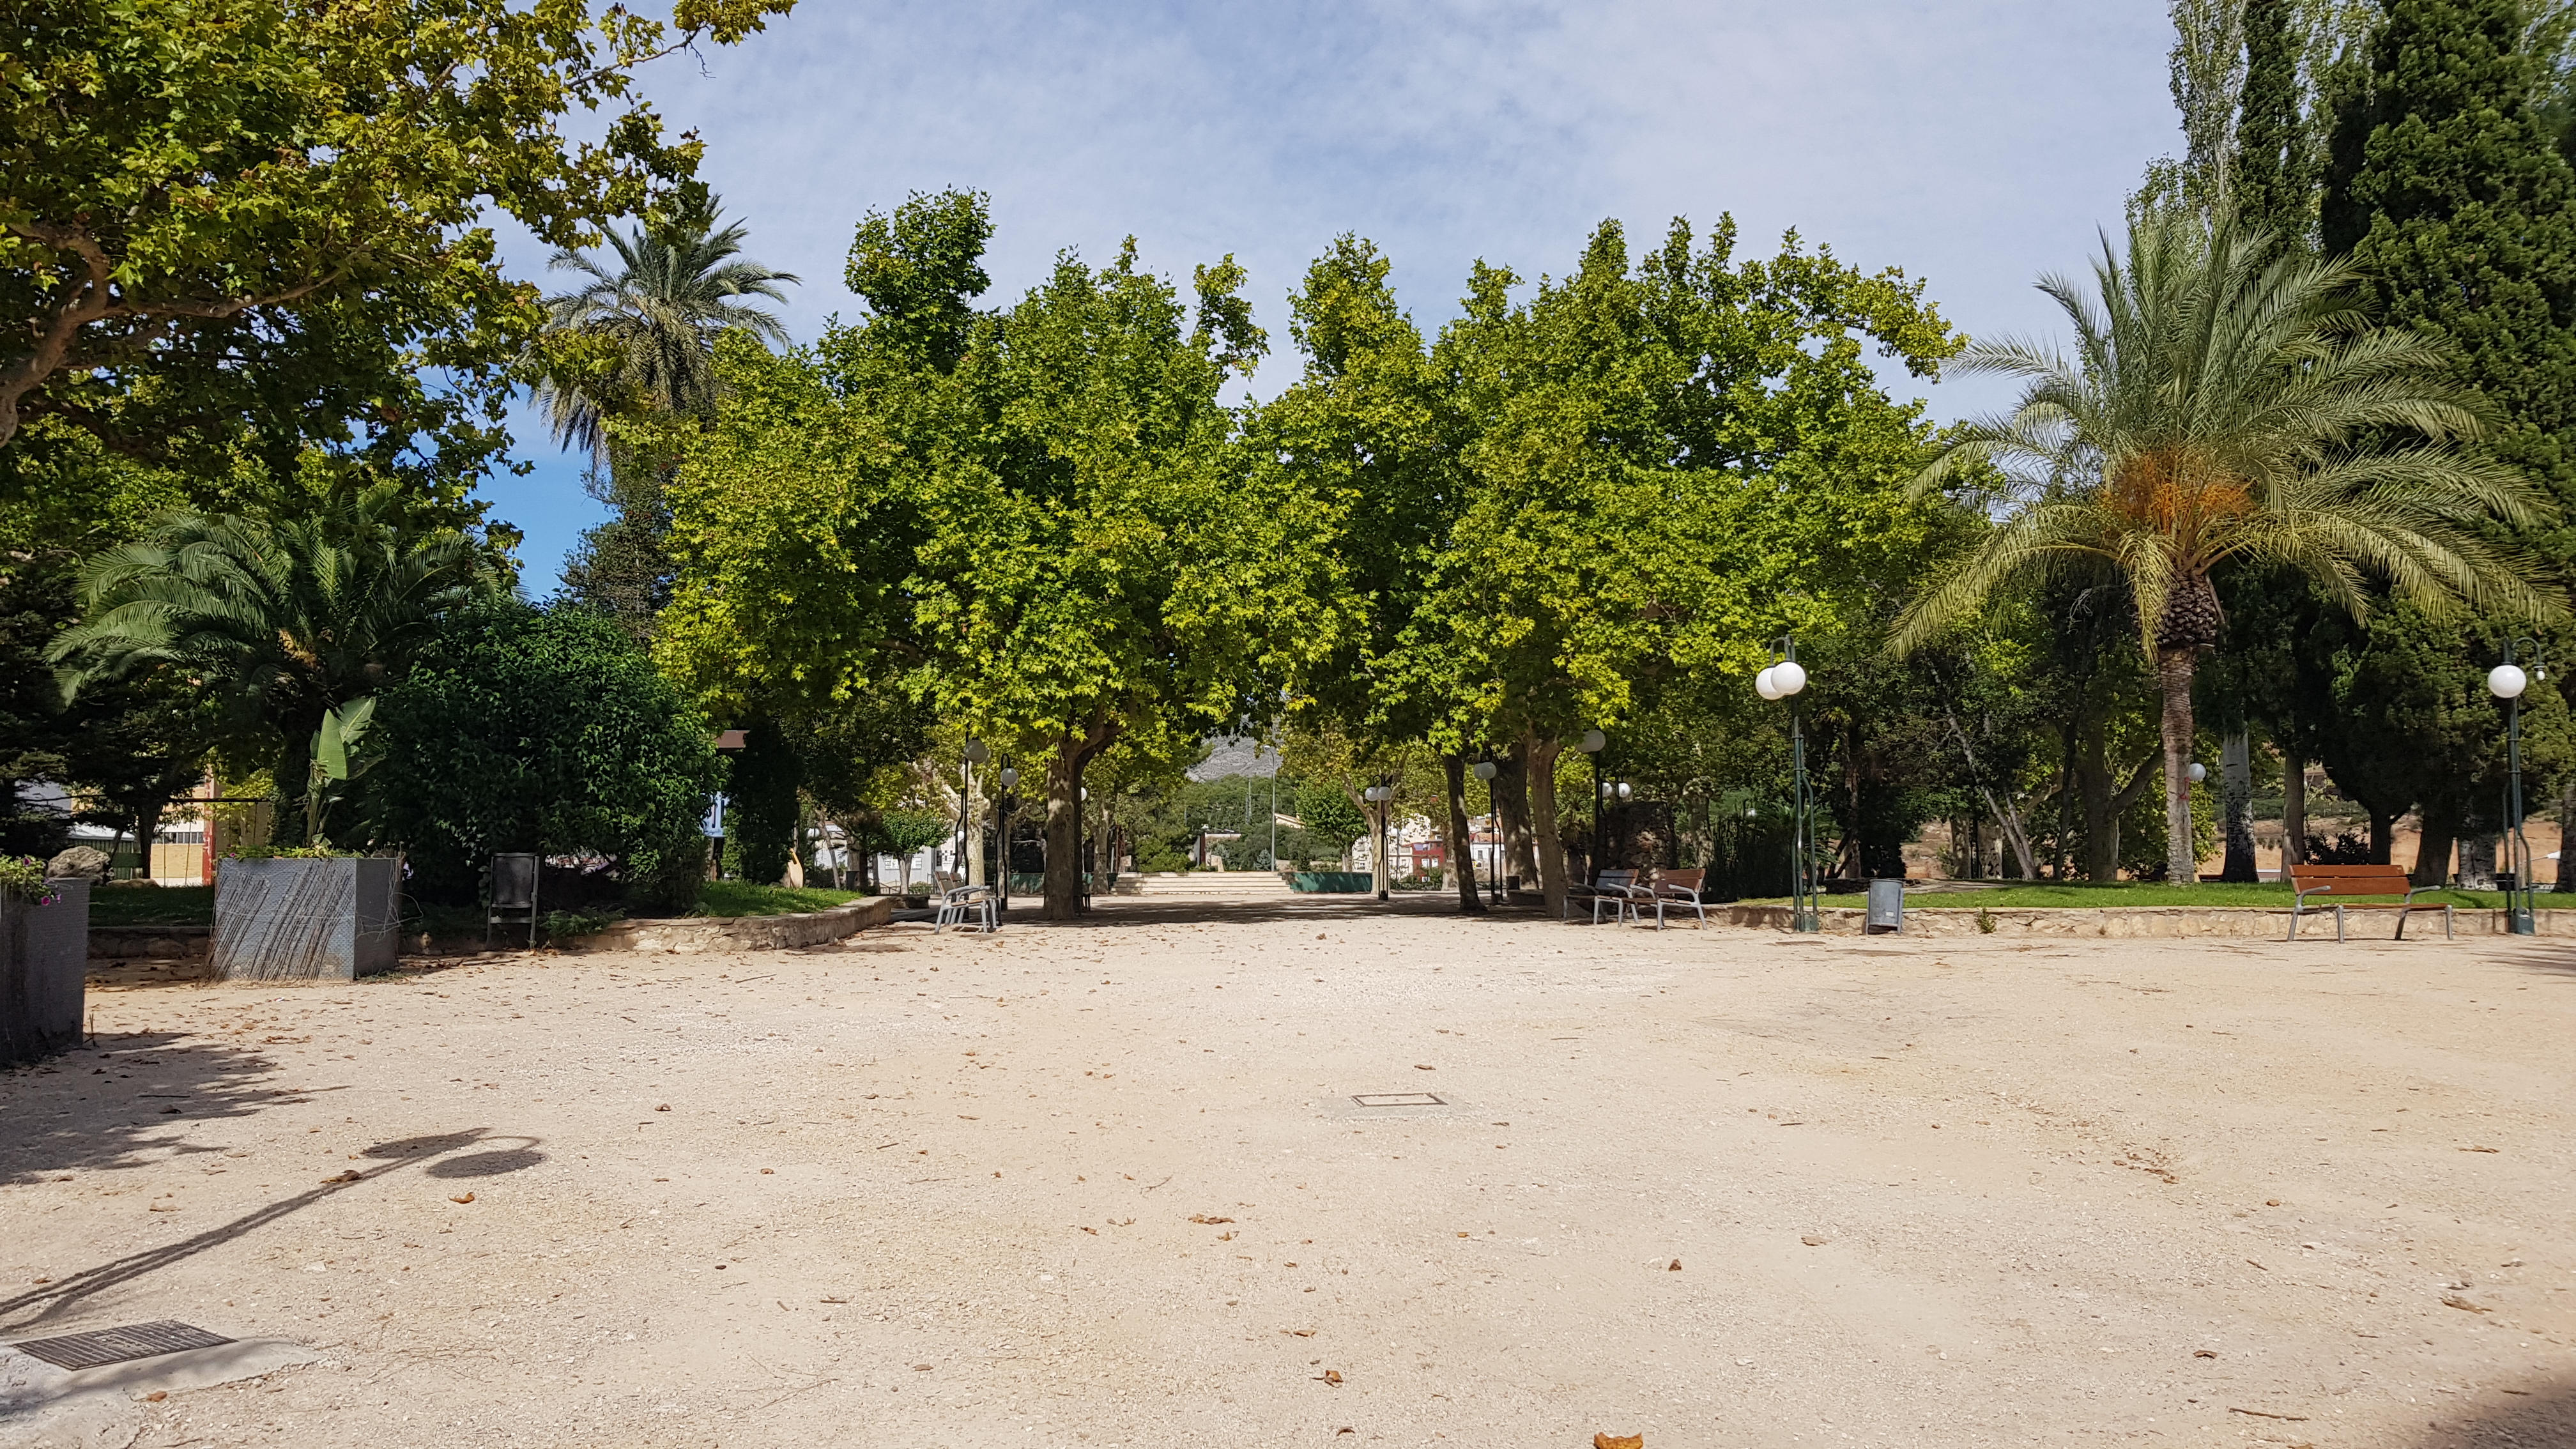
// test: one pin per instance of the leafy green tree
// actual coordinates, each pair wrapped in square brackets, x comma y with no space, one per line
[2225,404]
[2273,176]
[1667,466]
[219,211]
[546,730]
[276,621]
[904,834]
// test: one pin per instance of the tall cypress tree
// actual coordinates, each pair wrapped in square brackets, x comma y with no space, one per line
[2447,186]
[2446,183]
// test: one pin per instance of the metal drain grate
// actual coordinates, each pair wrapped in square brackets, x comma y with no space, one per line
[119,1345]
[1399,1099]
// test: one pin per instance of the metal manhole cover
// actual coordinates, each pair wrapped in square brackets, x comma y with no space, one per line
[119,1345]
[1398,1099]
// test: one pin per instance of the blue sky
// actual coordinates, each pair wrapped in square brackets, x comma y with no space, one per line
[1976,144]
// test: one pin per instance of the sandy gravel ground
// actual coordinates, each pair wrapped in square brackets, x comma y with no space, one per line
[1107,1185]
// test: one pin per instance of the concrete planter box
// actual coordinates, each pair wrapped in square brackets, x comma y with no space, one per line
[306,920]
[1332,882]
[44,968]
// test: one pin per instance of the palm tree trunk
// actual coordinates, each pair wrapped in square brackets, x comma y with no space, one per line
[2173,675]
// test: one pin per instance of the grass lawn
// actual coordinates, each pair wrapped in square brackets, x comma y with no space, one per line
[735,898]
[152,905]
[2268,895]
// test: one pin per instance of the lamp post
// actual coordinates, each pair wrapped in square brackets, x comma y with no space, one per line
[1486,770]
[1009,777]
[1783,680]
[2507,682]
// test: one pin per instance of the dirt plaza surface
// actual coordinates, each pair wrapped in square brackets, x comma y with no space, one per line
[1121,1182]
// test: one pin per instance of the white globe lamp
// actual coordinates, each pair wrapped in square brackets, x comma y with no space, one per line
[2507,681]
[1788,677]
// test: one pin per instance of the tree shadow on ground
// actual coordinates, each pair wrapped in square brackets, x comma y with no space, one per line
[133,1098]
[58,1298]
[2545,1415]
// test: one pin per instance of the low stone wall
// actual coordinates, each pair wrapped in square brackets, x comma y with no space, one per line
[2154,922]
[151,943]
[690,935]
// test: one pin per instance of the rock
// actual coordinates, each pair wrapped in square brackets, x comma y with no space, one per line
[78,863]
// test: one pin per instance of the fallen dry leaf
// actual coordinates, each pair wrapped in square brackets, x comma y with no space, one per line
[2477,1149]
[1618,1441]
[156,1396]
[2204,1353]
[2261,1414]
[343,1177]
[1095,1232]
[164,1207]
[1812,1241]
[2454,1300]
[1424,1067]
[665,1107]
[1330,1376]
[469,1197]
[1211,1222]
[1676,1267]
[921,1368]
[769,1172]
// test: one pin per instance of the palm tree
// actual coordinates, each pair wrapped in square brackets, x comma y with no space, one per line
[2226,402]
[675,288]
[274,621]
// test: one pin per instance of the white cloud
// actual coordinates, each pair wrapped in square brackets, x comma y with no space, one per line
[1973,144]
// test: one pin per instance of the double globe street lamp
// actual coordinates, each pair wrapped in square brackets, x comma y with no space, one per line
[1486,770]
[2507,682]
[1783,680]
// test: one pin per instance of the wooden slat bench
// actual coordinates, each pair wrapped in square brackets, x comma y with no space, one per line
[2361,880]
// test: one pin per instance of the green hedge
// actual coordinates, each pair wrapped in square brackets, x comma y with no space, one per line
[522,728]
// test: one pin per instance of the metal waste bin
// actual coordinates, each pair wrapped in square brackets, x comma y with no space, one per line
[1886,907]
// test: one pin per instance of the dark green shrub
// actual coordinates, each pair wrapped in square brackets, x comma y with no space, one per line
[521,728]
[762,803]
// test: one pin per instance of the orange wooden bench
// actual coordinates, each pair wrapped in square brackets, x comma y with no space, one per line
[2360,880]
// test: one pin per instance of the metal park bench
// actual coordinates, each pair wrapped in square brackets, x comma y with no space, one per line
[1617,889]
[2361,880]
[1681,888]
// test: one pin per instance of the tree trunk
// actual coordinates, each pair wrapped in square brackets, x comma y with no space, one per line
[2433,842]
[2173,676]
[1460,848]
[1064,861]
[1510,790]
[1541,758]
[2478,862]
[2236,778]
[2097,790]
[2294,811]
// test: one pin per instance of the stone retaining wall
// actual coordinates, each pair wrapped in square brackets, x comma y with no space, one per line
[690,935]
[151,943]
[2154,922]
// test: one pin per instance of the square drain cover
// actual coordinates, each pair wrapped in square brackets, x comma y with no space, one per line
[119,1345]
[1399,1099]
